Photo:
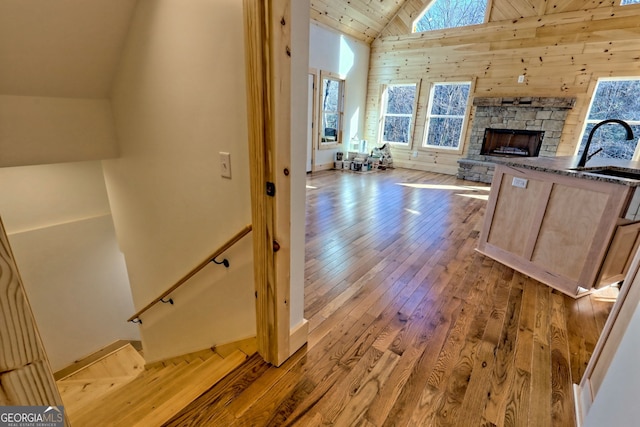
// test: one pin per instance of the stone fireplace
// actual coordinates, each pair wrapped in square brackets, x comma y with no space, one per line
[524,126]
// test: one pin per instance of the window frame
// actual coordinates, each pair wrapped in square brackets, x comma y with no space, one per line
[325,145]
[383,114]
[586,121]
[414,24]
[465,117]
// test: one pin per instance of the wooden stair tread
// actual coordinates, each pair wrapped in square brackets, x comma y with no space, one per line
[87,361]
[190,387]
[76,394]
[157,394]
[202,355]
[123,361]
[121,401]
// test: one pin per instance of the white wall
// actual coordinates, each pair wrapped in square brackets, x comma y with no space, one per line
[59,225]
[40,130]
[616,403]
[299,64]
[179,100]
[340,54]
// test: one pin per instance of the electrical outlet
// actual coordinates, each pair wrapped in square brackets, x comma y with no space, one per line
[519,182]
[414,154]
[225,165]
[521,79]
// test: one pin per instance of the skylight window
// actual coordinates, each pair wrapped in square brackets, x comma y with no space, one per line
[442,14]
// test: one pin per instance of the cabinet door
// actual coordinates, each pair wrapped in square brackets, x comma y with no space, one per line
[515,218]
[624,244]
[566,237]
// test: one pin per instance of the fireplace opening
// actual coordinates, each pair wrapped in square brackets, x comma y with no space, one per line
[511,142]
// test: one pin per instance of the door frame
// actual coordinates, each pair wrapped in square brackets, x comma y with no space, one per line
[314,72]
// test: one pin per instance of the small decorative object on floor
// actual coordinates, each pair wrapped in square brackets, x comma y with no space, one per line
[384,154]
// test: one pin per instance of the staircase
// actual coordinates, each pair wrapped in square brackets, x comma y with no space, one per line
[117,389]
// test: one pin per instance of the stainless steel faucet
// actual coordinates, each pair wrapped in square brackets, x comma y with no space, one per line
[585,154]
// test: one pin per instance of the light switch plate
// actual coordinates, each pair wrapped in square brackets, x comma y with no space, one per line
[225,165]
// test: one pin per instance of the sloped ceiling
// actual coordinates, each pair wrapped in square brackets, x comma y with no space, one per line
[61,48]
[361,19]
[367,20]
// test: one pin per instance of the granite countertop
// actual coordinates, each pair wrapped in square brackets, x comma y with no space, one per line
[565,166]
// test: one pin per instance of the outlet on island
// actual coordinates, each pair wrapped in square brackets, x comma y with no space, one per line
[519,182]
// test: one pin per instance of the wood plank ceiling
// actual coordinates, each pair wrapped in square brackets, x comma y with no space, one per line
[366,20]
[361,19]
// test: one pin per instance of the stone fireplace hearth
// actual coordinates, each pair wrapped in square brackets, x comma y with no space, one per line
[525,114]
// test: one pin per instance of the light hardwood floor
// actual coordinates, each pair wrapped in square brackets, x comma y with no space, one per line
[409,326]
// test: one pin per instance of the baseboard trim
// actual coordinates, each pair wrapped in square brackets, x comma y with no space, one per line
[298,336]
[323,167]
[577,405]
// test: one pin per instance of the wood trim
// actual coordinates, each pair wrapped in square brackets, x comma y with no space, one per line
[314,114]
[25,373]
[225,247]
[268,65]
[281,106]
[537,222]
[323,167]
[340,136]
[554,281]
[491,208]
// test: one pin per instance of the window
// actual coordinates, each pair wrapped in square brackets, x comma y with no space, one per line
[613,99]
[398,107]
[624,2]
[446,114]
[442,14]
[331,108]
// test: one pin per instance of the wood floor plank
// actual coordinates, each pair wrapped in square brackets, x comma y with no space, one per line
[562,405]
[409,325]
[541,368]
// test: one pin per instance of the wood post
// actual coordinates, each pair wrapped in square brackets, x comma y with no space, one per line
[268,65]
[25,374]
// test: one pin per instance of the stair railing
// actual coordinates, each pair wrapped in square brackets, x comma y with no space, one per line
[161,298]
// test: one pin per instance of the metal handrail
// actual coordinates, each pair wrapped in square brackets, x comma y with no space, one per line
[235,239]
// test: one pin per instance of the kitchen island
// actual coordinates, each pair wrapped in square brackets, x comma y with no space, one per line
[574,230]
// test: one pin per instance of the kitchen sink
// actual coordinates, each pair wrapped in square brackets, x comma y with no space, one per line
[611,171]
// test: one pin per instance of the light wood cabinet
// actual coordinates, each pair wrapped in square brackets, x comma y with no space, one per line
[557,229]
[620,254]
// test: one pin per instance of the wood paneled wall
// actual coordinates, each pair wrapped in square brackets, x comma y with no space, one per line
[560,54]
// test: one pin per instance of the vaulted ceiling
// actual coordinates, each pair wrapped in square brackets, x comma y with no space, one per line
[361,19]
[366,20]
